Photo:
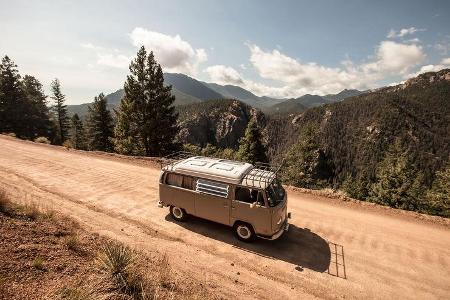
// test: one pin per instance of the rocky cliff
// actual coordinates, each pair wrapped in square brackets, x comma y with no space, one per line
[218,122]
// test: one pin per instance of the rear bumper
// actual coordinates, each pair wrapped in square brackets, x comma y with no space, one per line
[284,228]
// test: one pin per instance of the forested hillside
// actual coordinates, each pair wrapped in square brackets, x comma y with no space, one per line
[347,144]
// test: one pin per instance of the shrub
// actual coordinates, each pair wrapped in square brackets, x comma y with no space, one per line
[67,144]
[38,263]
[42,140]
[116,259]
[72,242]
[31,210]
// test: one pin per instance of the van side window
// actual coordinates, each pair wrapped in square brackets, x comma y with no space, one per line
[212,188]
[247,195]
[186,182]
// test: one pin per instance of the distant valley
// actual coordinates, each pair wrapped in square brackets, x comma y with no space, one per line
[188,90]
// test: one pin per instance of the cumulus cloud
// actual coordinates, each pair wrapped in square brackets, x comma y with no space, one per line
[224,75]
[444,64]
[402,32]
[172,52]
[294,77]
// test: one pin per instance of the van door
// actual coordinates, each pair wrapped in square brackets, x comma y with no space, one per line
[211,201]
[258,216]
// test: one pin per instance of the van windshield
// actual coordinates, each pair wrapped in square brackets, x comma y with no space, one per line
[275,193]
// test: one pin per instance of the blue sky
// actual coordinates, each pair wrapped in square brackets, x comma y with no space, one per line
[275,48]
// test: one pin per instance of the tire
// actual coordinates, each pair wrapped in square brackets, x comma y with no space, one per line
[244,232]
[178,214]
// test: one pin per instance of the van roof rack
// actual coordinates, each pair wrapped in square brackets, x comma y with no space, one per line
[262,175]
[174,158]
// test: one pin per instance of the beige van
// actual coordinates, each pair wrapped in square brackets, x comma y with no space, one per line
[248,198]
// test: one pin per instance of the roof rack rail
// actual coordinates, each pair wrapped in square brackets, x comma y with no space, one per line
[174,158]
[262,174]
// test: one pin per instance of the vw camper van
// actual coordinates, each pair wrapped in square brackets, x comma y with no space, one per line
[249,198]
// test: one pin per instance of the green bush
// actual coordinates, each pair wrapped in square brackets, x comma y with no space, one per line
[42,140]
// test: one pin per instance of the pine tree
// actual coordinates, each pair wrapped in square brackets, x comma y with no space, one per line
[100,127]
[305,163]
[146,118]
[77,136]
[438,197]
[60,111]
[12,99]
[38,122]
[251,148]
[398,183]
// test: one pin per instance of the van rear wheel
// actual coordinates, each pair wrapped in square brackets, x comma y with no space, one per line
[178,213]
[244,232]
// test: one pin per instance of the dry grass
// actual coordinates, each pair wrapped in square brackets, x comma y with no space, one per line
[106,270]
[72,242]
[38,263]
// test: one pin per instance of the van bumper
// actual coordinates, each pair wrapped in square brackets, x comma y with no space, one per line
[284,228]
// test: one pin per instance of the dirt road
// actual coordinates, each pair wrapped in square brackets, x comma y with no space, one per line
[385,254]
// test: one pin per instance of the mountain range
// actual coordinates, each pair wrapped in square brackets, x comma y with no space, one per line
[188,90]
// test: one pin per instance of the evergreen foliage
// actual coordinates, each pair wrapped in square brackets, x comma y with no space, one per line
[398,183]
[305,163]
[38,123]
[12,99]
[100,125]
[60,112]
[23,105]
[146,118]
[77,134]
[251,147]
[438,197]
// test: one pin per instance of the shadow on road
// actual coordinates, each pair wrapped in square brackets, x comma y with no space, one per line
[298,246]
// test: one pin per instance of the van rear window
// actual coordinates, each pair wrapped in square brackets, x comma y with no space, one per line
[212,188]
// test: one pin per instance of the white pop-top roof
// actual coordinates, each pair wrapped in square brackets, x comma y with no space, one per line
[223,170]
[220,169]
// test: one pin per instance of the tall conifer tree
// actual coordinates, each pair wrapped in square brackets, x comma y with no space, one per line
[77,135]
[146,118]
[12,99]
[60,111]
[38,123]
[251,148]
[100,127]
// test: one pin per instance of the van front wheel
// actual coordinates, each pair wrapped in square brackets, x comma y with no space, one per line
[244,232]
[178,213]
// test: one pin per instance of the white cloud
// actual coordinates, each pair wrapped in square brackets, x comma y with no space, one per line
[173,53]
[224,75]
[294,78]
[402,32]
[444,64]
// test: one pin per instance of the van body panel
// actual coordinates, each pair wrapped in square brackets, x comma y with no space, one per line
[176,196]
[258,216]
[212,208]
[279,216]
